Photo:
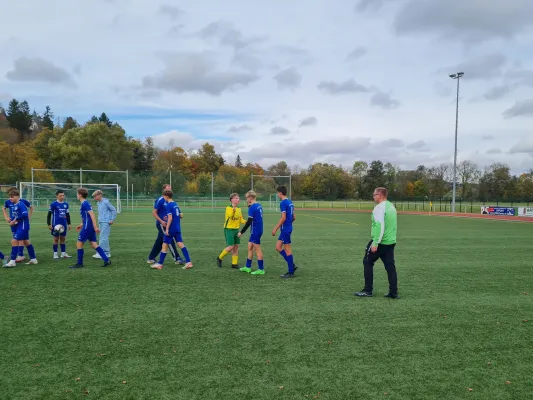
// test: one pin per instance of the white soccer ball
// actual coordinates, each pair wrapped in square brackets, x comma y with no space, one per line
[59,229]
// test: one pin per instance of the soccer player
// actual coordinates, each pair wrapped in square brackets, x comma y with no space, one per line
[160,214]
[21,220]
[58,214]
[107,214]
[381,245]
[172,231]
[255,220]
[232,224]
[9,205]
[283,245]
[87,230]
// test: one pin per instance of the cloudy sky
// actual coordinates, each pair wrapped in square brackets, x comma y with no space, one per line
[304,81]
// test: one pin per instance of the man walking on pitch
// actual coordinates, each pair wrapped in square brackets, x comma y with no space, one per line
[384,228]
[107,214]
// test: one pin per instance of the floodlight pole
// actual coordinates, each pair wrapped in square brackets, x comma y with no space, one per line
[457,76]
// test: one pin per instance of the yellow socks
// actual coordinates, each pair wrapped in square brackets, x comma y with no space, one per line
[234,260]
[223,254]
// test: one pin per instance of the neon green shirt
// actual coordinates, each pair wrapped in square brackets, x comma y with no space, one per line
[384,225]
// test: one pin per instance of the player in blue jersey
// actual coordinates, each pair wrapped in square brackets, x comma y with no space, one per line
[21,221]
[172,232]
[160,214]
[58,214]
[255,220]
[9,205]
[283,245]
[88,230]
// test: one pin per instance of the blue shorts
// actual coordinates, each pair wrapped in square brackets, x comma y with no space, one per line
[285,237]
[22,234]
[59,234]
[87,236]
[13,230]
[255,238]
[176,236]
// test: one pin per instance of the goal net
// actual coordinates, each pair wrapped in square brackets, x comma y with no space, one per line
[42,194]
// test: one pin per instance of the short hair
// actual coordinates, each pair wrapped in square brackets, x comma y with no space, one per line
[251,193]
[168,193]
[83,192]
[282,189]
[381,190]
[59,191]
[98,192]
[165,186]
[12,188]
[233,195]
[14,192]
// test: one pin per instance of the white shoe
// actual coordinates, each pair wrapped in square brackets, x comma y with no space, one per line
[20,259]
[56,257]
[32,261]
[150,261]
[97,256]
[157,266]
[11,264]
[65,255]
[187,266]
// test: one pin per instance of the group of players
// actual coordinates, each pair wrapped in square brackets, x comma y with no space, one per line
[20,212]
[168,223]
[168,217]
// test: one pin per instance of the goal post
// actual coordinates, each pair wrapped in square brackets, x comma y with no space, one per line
[115,180]
[265,185]
[42,194]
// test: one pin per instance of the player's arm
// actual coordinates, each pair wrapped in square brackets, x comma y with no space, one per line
[23,214]
[243,221]
[49,219]
[169,221]
[6,216]
[378,227]
[31,211]
[93,218]
[68,220]
[113,210]
[282,219]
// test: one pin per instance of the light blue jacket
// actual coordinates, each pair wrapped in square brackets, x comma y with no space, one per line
[106,211]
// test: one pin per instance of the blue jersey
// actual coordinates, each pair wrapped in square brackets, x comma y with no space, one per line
[59,213]
[161,206]
[174,210]
[9,204]
[287,207]
[20,213]
[85,217]
[255,211]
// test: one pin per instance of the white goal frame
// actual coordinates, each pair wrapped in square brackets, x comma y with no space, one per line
[274,176]
[72,186]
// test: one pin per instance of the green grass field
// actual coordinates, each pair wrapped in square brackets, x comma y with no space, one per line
[464,320]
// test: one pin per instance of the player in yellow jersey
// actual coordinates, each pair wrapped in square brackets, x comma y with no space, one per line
[232,225]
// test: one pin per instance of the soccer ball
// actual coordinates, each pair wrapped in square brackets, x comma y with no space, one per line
[59,229]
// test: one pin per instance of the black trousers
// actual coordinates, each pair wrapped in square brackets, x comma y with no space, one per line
[385,252]
[158,244]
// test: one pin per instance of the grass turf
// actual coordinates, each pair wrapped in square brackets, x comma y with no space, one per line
[129,332]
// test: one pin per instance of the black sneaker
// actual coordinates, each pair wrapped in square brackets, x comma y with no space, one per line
[107,264]
[219,262]
[287,276]
[77,266]
[392,296]
[363,294]
[235,266]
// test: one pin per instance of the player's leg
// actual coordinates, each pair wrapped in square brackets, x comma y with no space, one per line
[156,248]
[55,244]
[163,254]
[260,262]
[63,243]
[14,251]
[20,252]
[230,242]
[103,240]
[31,251]
[235,254]
[284,247]
[248,267]
[368,263]
[181,245]
[175,253]
[387,256]
[82,238]
[3,258]
[99,250]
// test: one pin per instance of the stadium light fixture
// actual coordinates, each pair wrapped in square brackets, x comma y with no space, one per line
[457,76]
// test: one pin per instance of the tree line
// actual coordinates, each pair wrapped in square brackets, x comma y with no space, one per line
[29,139]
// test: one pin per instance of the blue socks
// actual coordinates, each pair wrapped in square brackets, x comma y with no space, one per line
[290,262]
[80,256]
[102,254]
[248,263]
[186,254]
[63,247]
[14,252]
[20,251]
[54,246]
[260,264]
[283,254]
[31,251]
[162,258]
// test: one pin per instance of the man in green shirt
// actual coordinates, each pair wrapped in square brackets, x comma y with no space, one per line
[382,245]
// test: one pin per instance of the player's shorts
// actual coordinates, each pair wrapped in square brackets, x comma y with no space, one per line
[22,234]
[231,236]
[13,230]
[176,236]
[285,237]
[59,234]
[86,235]
[255,238]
